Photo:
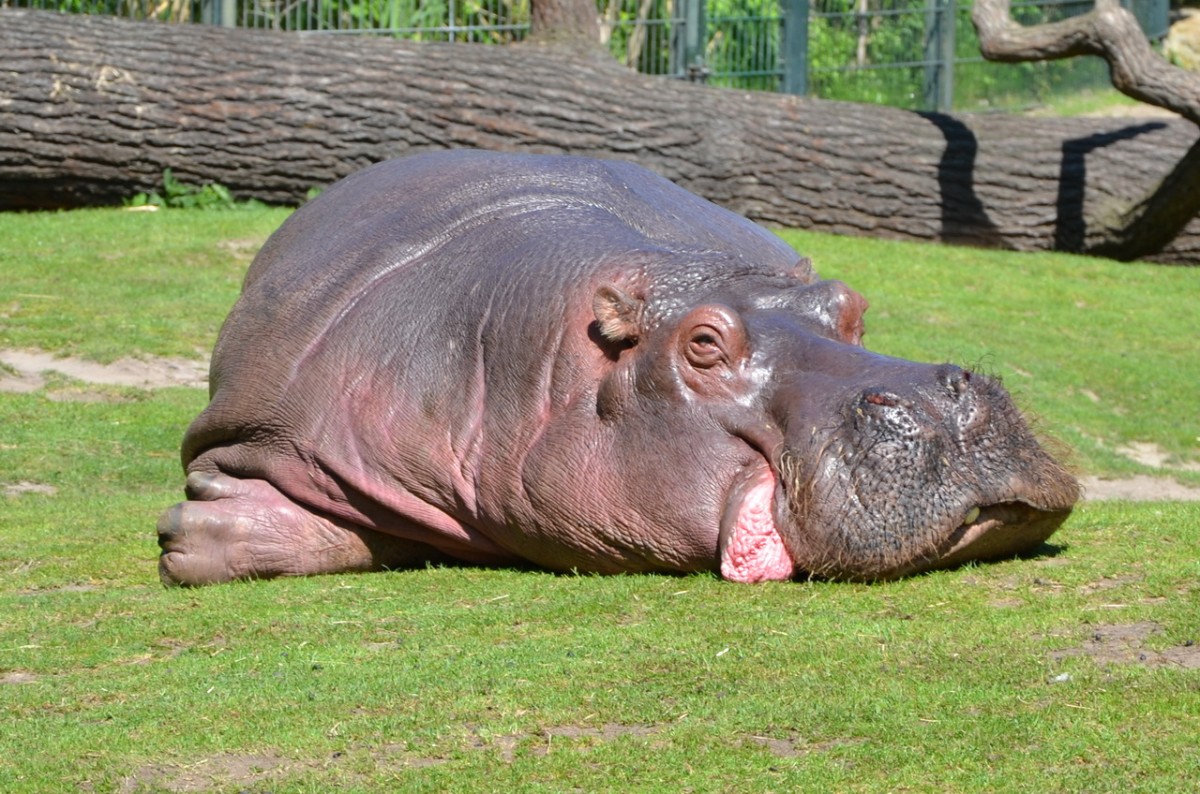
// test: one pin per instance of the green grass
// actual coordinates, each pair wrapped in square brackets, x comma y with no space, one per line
[104,283]
[987,678]
[1089,102]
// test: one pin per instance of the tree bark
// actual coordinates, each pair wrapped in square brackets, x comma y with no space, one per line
[93,109]
[565,23]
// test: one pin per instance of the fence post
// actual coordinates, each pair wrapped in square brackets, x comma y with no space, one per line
[1153,15]
[688,39]
[219,12]
[939,55]
[795,46]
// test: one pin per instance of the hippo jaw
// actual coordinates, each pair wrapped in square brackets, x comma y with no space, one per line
[869,544]
[995,532]
[902,485]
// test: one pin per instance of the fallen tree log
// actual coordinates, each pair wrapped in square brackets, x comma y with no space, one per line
[93,109]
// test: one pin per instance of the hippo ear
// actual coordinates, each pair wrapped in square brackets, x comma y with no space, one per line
[848,308]
[803,271]
[836,307]
[618,314]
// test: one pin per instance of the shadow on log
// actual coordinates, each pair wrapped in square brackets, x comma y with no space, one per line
[1073,180]
[93,109]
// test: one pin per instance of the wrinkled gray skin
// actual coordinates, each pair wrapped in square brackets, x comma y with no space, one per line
[573,363]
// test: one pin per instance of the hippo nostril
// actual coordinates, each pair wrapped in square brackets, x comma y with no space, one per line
[886,400]
[883,399]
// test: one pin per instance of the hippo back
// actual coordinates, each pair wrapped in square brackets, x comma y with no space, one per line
[403,267]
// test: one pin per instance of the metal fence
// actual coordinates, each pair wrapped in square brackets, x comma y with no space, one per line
[909,53]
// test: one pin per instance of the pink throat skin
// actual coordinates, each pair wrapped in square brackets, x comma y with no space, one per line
[753,551]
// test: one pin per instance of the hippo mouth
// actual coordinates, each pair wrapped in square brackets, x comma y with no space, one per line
[996,532]
[901,485]
[751,546]
[762,538]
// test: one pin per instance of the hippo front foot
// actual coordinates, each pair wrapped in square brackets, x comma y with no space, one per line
[247,529]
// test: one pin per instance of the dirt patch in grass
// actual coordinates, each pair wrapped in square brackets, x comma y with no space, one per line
[1154,456]
[1125,644]
[24,371]
[22,487]
[573,735]
[220,772]
[794,746]
[244,249]
[1139,487]
[233,771]
[230,771]
[1142,487]
[66,588]
[1111,583]
[608,731]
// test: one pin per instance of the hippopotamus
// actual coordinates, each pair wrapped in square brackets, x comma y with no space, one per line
[574,364]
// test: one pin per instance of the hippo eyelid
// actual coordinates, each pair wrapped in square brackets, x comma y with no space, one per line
[704,349]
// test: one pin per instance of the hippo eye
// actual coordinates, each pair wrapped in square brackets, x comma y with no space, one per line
[704,350]
[712,340]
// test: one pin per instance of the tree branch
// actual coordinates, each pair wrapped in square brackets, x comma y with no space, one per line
[1107,31]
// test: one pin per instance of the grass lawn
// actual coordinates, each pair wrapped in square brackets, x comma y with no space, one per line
[1091,102]
[1075,670]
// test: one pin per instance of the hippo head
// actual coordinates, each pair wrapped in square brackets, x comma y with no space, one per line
[837,462]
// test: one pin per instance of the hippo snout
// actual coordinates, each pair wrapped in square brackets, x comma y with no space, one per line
[926,473]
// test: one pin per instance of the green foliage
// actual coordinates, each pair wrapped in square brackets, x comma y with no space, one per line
[877,55]
[988,678]
[482,21]
[159,10]
[742,45]
[177,195]
[649,51]
[894,34]
[1085,102]
[837,72]
[979,85]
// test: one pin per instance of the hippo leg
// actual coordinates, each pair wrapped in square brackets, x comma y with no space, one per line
[246,529]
